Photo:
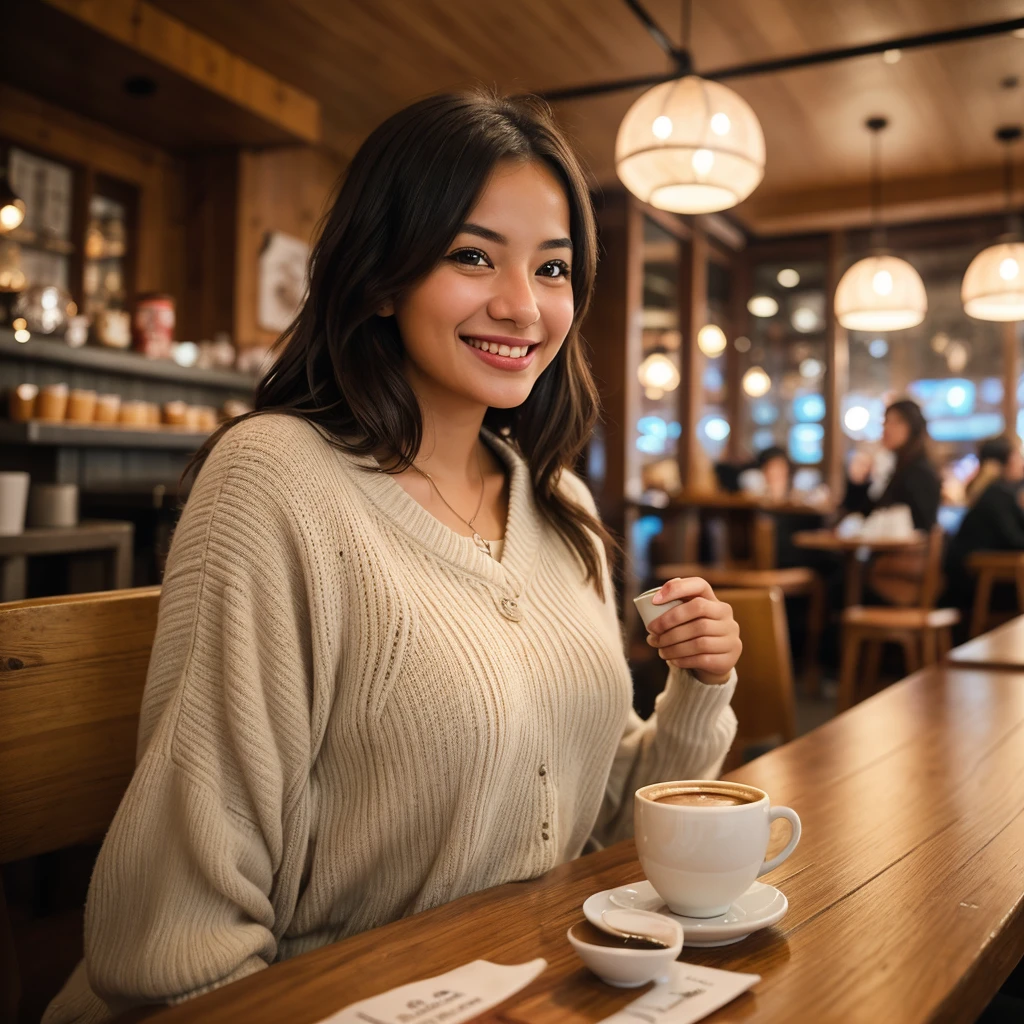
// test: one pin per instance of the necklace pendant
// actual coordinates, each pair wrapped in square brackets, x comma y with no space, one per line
[481,544]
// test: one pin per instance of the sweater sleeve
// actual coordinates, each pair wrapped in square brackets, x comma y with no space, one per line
[687,736]
[200,872]
[1006,517]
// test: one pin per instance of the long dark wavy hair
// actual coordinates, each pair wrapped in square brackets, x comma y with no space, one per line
[916,444]
[398,208]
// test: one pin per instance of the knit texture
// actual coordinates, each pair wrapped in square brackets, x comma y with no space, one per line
[353,714]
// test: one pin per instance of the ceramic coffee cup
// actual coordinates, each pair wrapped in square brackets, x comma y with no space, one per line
[13,503]
[702,853]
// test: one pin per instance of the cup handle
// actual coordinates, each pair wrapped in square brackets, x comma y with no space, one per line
[794,823]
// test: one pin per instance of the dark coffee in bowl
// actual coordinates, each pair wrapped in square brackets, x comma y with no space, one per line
[588,933]
[706,798]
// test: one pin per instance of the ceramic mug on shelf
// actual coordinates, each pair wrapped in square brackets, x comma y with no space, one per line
[13,503]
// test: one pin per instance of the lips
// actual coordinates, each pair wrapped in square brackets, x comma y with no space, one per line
[502,355]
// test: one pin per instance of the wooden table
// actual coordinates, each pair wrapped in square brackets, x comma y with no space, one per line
[112,537]
[1002,648]
[850,548]
[906,893]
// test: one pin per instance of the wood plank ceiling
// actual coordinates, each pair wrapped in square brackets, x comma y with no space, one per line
[364,60]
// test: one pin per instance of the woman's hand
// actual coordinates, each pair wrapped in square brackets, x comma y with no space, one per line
[700,635]
[859,470]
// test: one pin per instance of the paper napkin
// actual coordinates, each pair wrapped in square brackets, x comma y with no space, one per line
[449,998]
[690,993]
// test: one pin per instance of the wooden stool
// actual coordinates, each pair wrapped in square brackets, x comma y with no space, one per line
[762,574]
[993,567]
[924,632]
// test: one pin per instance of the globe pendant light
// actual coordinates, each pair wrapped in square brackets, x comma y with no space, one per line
[690,145]
[880,292]
[993,286]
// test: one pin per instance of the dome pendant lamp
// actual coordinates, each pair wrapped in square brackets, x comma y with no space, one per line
[881,292]
[993,286]
[690,145]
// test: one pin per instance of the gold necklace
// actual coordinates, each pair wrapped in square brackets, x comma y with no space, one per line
[482,544]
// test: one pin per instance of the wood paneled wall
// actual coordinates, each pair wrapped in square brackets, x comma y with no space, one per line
[278,190]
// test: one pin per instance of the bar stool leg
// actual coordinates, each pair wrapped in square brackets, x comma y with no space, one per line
[929,646]
[945,641]
[912,654]
[847,696]
[812,646]
[982,599]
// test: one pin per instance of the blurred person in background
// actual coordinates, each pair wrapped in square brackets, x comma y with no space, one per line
[914,480]
[994,520]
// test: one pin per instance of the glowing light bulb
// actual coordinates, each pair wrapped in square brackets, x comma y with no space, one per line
[1009,269]
[711,340]
[878,347]
[882,283]
[788,277]
[856,418]
[762,305]
[756,382]
[662,127]
[703,160]
[720,124]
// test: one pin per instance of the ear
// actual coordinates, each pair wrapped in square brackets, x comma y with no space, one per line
[388,309]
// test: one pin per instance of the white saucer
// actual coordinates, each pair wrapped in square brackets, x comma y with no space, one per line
[760,906]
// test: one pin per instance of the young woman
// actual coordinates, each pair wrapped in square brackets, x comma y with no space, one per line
[388,669]
[914,481]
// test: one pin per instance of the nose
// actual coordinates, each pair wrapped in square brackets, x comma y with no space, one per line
[514,299]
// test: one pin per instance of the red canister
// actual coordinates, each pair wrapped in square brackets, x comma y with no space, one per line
[153,326]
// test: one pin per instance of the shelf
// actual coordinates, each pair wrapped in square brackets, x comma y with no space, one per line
[63,435]
[127,364]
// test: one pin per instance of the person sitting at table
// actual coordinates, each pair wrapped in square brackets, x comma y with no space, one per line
[914,481]
[994,521]
[388,669]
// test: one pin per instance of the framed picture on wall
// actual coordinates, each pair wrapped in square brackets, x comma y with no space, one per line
[282,280]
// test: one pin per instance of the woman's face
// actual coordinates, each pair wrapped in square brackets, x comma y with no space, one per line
[485,323]
[895,431]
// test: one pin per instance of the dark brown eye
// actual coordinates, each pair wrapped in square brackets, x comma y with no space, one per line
[554,269]
[469,258]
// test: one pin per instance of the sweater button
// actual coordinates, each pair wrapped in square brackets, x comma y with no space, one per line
[510,609]
[542,770]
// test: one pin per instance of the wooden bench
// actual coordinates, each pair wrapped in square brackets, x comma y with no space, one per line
[993,567]
[72,672]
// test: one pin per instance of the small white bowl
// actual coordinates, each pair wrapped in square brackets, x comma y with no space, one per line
[631,968]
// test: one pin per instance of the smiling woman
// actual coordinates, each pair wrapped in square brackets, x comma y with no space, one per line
[388,670]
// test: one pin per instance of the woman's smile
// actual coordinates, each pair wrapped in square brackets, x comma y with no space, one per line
[502,352]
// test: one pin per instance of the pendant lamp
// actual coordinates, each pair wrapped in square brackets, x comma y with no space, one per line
[993,286]
[880,292]
[690,145]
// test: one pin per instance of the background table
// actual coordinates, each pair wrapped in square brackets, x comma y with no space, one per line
[1003,648]
[906,891]
[849,547]
[113,538]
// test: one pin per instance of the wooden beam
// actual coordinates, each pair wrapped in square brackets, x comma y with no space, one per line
[740,287]
[693,314]
[196,57]
[849,206]
[837,372]
[1011,374]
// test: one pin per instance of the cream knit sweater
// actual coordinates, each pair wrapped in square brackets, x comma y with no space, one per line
[352,714]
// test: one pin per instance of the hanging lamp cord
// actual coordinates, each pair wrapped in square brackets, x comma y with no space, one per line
[876,125]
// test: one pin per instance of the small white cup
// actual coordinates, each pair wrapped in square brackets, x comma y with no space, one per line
[701,859]
[13,503]
[648,610]
[631,968]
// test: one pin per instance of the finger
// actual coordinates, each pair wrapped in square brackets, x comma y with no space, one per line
[690,630]
[712,664]
[682,589]
[695,608]
[699,645]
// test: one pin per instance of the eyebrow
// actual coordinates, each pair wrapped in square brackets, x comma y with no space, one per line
[494,236]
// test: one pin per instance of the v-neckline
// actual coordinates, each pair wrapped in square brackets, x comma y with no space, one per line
[521,525]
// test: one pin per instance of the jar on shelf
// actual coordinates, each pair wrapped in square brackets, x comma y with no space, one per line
[153,325]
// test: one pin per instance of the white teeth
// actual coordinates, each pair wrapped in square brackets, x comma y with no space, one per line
[512,351]
[503,350]
[516,352]
[493,348]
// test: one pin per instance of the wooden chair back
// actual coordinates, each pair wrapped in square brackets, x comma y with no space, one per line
[72,671]
[764,701]
[763,541]
[910,579]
